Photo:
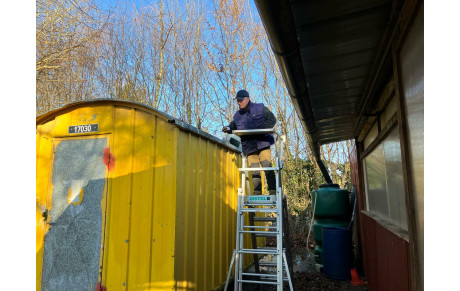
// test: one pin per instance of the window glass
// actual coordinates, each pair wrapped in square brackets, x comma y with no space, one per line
[384,181]
[395,181]
[376,184]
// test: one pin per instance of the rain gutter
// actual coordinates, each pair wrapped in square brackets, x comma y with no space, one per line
[276,16]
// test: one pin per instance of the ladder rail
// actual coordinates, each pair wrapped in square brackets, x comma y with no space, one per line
[239,239]
[279,237]
[287,271]
[230,270]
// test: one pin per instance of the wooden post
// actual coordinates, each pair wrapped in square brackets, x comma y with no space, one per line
[406,165]
[360,191]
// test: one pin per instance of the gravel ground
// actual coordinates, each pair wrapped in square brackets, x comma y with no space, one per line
[304,276]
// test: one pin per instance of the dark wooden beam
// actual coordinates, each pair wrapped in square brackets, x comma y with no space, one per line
[407,19]
[383,52]
[406,165]
[385,98]
[381,136]
[360,189]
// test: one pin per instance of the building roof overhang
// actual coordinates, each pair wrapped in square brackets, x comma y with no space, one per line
[333,57]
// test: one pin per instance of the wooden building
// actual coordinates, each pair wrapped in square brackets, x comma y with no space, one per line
[355,70]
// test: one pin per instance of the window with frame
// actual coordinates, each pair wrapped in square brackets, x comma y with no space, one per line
[384,181]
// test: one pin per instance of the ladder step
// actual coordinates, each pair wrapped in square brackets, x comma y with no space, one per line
[270,278]
[266,276]
[256,210]
[260,204]
[260,275]
[267,264]
[266,234]
[259,251]
[272,233]
[273,219]
[259,227]
[258,282]
[269,248]
[259,169]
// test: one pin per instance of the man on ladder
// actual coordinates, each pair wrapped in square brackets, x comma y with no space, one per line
[256,147]
[254,123]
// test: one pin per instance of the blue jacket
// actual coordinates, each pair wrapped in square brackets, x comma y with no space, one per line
[252,119]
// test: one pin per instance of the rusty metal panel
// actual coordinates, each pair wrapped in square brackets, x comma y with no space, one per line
[370,250]
[167,208]
[387,257]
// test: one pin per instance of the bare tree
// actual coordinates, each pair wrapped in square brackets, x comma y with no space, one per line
[67,41]
[185,58]
[230,53]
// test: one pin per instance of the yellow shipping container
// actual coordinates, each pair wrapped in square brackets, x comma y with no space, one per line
[133,199]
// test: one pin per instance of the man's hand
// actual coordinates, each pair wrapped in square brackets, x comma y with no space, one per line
[226,129]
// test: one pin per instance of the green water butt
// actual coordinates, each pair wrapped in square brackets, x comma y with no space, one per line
[331,202]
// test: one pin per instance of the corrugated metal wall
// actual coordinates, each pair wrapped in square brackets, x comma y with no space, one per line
[140,232]
[206,207]
[385,254]
[387,257]
[169,202]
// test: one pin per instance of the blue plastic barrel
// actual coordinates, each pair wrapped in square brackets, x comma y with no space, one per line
[336,252]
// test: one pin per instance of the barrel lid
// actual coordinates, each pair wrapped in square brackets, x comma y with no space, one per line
[329,185]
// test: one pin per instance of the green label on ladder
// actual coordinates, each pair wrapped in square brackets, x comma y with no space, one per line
[260,198]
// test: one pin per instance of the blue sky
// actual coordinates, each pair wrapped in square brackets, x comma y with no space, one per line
[106,4]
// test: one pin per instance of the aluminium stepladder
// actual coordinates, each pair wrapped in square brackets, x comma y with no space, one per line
[265,204]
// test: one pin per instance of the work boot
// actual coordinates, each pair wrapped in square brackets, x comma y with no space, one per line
[257,192]
[272,192]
